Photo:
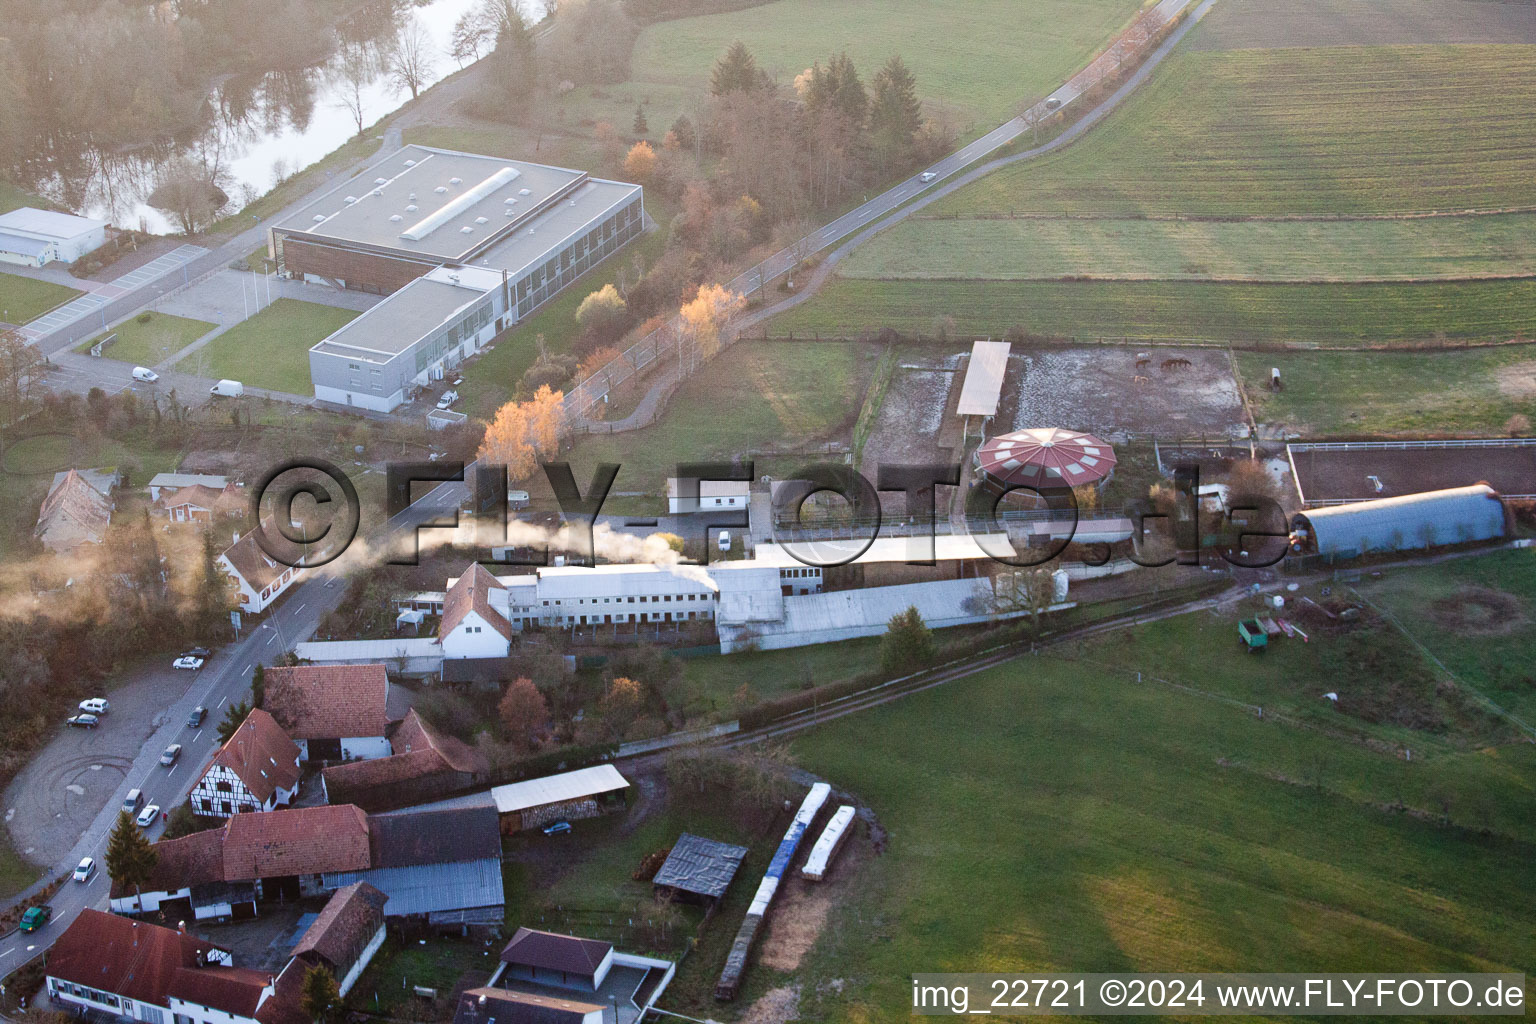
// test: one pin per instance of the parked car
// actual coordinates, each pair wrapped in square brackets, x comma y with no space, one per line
[133,801]
[85,870]
[227,389]
[35,918]
[926,176]
[187,661]
[83,721]
[172,755]
[147,816]
[197,652]
[145,374]
[95,706]
[557,828]
[725,540]
[449,397]
[195,719]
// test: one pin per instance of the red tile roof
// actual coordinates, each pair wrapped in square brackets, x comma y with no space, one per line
[130,958]
[198,496]
[254,565]
[552,952]
[235,990]
[286,1005]
[191,860]
[419,751]
[327,702]
[301,841]
[351,916]
[471,591]
[74,503]
[262,755]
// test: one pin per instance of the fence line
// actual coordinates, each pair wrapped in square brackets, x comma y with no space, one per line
[1379,446]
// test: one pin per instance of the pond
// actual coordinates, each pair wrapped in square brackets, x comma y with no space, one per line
[263,128]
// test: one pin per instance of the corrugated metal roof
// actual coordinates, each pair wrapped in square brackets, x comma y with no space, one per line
[428,888]
[699,865]
[21,245]
[555,789]
[984,379]
[1453,516]
[50,223]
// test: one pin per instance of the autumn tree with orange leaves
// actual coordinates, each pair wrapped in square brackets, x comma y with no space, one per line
[523,434]
[704,318]
[523,710]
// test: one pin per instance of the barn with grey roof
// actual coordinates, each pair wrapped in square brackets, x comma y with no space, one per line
[1457,515]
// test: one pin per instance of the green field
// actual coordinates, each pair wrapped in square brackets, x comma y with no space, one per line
[271,349]
[1472,392]
[1334,131]
[26,298]
[13,196]
[1049,815]
[1241,313]
[978,61]
[1031,248]
[751,396]
[150,342]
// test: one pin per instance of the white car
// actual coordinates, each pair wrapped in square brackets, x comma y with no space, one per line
[95,706]
[926,177]
[147,816]
[724,542]
[187,661]
[145,374]
[449,397]
[85,870]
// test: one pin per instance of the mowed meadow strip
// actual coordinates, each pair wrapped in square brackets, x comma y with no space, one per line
[1341,130]
[1044,248]
[1245,314]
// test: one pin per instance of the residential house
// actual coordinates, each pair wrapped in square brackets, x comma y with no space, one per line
[540,968]
[346,934]
[333,712]
[472,625]
[105,479]
[136,970]
[426,765]
[200,503]
[161,482]
[257,770]
[257,577]
[72,515]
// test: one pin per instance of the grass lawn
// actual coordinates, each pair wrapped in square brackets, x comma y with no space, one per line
[13,196]
[150,342]
[1494,657]
[28,465]
[1343,130]
[977,61]
[271,349]
[25,298]
[1319,250]
[712,681]
[493,376]
[1474,391]
[751,396]
[1240,313]
[1046,815]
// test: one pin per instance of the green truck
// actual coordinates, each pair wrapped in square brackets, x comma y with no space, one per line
[1252,635]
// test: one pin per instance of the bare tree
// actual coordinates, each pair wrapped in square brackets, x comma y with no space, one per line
[358,70]
[186,191]
[470,33]
[410,60]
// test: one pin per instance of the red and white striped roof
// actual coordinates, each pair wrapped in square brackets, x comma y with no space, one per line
[1046,457]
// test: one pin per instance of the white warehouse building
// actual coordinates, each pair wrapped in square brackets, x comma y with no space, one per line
[463,245]
[32,238]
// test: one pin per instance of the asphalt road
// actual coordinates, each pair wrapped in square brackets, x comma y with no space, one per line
[224,679]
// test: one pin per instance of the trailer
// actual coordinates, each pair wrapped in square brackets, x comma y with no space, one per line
[820,859]
[1253,635]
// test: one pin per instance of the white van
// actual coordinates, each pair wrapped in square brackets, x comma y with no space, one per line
[145,374]
[228,389]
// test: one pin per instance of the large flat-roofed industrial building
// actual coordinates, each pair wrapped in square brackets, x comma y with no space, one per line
[464,246]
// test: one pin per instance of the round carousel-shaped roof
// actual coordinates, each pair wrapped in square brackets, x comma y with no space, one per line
[1046,457]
